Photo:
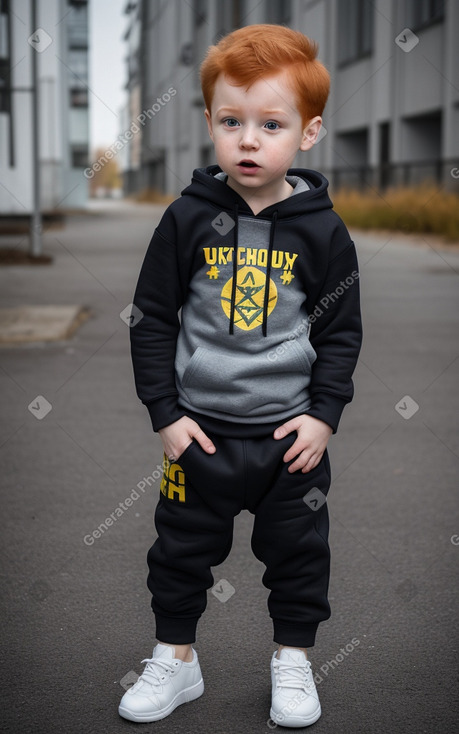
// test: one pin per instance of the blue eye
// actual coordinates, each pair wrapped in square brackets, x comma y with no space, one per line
[271,125]
[231,122]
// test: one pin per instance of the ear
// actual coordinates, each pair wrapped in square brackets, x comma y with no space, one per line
[310,133]
[209,123]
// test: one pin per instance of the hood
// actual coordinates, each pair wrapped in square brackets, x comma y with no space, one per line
[204,185]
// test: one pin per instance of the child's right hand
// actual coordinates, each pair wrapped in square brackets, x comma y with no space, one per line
[177,436]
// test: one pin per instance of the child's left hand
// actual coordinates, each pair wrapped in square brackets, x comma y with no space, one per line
[310,444]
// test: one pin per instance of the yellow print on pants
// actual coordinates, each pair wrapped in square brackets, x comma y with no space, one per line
[173,481]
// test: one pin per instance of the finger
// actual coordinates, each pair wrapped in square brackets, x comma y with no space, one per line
[301,462]
[176,454]
[204,441]
[295,450]
[168,449]
[286,428]
[314,460]
[311,464]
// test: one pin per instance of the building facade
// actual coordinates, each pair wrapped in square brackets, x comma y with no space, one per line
[393,111]
[59,42]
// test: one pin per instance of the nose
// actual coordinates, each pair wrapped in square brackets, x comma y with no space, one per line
[249,138]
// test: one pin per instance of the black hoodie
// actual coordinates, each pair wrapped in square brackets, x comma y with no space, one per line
[270,324]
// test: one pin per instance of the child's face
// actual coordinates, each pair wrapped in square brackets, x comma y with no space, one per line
[260,125]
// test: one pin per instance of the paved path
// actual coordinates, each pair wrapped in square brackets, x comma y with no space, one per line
[76,617]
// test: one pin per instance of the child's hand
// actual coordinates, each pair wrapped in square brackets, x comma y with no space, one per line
[176,437]
[311,442]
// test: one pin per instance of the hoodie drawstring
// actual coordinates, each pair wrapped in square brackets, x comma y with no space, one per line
[268,274]
[235,253]
[268,271]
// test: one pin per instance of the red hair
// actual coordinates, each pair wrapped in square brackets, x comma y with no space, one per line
[263,50]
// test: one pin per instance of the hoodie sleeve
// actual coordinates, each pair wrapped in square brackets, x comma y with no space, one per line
[336,336]
[153,338]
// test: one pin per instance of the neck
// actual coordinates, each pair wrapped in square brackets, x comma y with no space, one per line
[261,198]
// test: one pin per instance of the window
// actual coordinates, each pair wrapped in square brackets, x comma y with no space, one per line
[5,94]
[355,30]
[280,11]
[228,18]
[421,13]
[200,11]
[5,62]
[77,26]
[384,155]
[78,63]
[352,151]
[4,35]
[78,97]
[79,156]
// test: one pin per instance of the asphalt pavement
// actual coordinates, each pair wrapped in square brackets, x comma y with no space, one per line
[76,444]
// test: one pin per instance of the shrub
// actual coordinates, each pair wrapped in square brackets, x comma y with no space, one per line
[423,209]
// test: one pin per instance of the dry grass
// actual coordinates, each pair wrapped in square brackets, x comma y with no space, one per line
[417,209]
[152,196]
[420,209]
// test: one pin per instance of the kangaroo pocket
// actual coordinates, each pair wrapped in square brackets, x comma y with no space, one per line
[248,384]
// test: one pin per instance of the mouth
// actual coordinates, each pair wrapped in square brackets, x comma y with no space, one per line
[248,165]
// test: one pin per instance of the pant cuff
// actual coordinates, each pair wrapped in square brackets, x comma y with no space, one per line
[179,630]
[295,634]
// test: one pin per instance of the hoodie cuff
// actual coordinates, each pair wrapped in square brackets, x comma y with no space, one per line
[164,411]
[327,408]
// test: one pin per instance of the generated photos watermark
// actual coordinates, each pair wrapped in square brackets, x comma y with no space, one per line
[306,323]
[124,138]
[314,499]
[124,506]
[40,40]
[407,40]
[223,590]
[40,407]
[407,407]
[131,315]
[318,677]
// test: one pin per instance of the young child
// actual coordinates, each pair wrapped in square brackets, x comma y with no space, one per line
[247,386]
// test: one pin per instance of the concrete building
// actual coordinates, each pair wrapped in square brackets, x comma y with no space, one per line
[59,42]
[392,115]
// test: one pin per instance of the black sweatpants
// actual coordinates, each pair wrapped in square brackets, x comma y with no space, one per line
[200,496]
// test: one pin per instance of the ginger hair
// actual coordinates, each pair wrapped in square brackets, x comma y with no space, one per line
[259,51]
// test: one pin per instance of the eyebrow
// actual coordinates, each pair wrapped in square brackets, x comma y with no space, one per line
[235,110]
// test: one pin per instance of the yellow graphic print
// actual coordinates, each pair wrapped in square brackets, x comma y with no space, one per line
[257,256]
[173,481]
[287,277]
[250,296]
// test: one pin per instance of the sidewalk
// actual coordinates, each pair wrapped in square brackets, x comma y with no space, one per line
[76,444]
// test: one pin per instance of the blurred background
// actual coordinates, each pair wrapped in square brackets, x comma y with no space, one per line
[111,89]
[102,124]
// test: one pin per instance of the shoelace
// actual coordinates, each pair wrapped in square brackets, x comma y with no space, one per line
[293,675]
[156,671]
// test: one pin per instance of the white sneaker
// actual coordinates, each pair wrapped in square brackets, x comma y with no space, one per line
[295,702]
[165,683]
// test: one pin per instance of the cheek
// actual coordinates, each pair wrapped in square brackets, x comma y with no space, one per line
[221,155]
[222,145]
[287,149]
[278,151]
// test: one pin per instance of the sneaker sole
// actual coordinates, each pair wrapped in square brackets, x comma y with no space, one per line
[295,722]
[185,696]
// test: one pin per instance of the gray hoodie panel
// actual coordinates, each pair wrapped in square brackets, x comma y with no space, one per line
[245,375]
